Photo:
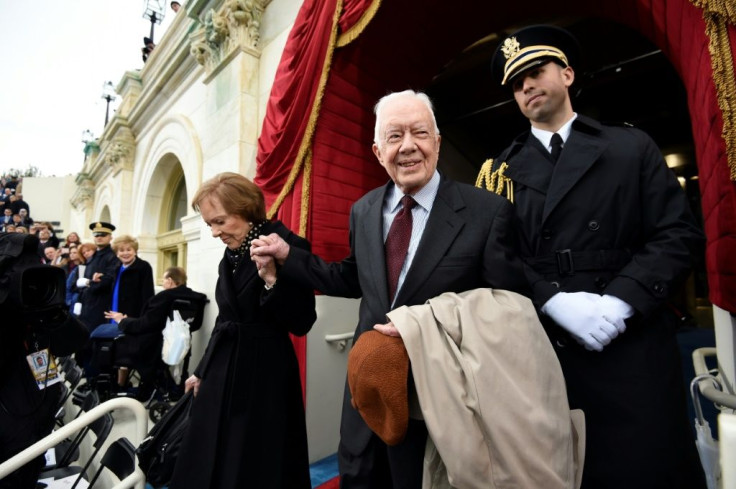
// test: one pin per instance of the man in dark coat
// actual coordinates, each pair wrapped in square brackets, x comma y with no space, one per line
[143,341]
[607,235]
[99,277]
[18,203]
[461,239]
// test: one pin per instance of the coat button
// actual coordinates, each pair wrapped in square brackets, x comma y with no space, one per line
[594,226]
[600,282]
[556,284]
[658,288]
[546,234]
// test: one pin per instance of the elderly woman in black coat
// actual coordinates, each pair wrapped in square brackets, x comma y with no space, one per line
[247,425]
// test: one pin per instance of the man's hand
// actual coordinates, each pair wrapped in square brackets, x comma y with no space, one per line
[388,329]
[266,269]
[615,311]
[271,245]
[580,314]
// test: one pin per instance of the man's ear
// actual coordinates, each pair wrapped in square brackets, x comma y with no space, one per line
[568,75]
[377,152]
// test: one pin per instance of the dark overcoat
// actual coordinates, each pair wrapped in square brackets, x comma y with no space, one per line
[96,297]
[468,242]
[610,218]
[248,427]
[136,287]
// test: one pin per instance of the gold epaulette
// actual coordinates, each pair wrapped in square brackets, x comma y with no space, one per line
[495,180]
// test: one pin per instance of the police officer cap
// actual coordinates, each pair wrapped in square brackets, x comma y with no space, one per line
[533,46]
[102,227]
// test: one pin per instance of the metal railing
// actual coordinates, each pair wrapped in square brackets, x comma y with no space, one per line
[137,479]
[707,387]
[340,339]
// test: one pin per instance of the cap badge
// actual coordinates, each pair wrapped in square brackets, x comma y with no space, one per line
[510,47]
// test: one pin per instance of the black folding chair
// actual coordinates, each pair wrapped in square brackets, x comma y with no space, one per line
[101,427]
[68,450]
[72,378]
[119,458]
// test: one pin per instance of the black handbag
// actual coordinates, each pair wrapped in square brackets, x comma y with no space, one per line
[157,453]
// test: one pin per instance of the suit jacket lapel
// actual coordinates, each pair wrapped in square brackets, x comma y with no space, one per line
[580,152]
[441,230]
[536,169]
[372,234]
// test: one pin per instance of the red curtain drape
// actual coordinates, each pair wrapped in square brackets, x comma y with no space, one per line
[284,146]
[293,97]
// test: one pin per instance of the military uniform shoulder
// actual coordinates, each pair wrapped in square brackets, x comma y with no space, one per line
[617,124]
[476,194]
[609,129]
[513,148]
[625,130]
[492,174]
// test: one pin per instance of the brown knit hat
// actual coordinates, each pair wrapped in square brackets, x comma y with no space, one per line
[378,372]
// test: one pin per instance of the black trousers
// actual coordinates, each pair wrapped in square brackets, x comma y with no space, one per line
[386,467]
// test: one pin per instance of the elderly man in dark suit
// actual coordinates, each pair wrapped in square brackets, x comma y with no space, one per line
[416,237]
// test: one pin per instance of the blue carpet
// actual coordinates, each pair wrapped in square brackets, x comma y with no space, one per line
[323,470]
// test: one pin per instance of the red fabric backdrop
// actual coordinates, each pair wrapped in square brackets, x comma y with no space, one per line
[328,137]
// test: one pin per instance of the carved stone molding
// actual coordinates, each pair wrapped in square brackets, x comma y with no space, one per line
[119,155]
[235,26]
[85,192]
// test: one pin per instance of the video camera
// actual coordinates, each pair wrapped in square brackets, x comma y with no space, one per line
[34,294]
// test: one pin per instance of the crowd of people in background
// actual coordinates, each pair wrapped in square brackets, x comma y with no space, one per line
[95,284]
[66,253]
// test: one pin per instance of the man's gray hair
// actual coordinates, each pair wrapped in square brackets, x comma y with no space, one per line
[391,96]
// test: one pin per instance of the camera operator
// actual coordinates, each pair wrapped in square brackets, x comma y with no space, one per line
[35,326]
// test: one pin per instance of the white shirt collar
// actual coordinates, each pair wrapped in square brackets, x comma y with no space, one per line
[424,196]
[545,136]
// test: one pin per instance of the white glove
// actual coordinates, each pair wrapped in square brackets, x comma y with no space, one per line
[82,282]
[615,311]
[580,314]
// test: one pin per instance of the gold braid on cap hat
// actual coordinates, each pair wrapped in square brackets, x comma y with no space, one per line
[495,181]
[515,57]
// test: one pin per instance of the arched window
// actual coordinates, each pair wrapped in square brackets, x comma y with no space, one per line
[178,205]
[172,248]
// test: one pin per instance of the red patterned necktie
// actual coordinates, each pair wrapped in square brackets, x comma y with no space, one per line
[397,244]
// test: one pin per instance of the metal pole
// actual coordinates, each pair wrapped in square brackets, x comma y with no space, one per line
[153,21]
[107,110]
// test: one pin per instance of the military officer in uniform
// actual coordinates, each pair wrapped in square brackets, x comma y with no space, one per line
[607,236]
[99,277]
